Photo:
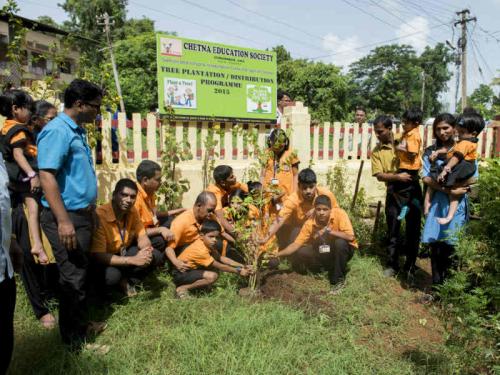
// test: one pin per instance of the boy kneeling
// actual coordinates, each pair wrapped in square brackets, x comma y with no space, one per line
[325,241]
[203,261]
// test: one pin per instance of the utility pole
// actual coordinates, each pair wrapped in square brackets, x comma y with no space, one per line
[107,30]
[462,45]
[423,91]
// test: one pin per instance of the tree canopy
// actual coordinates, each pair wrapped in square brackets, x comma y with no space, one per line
[389,78]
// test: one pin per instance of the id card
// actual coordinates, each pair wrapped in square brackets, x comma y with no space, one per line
[275,182]
[324,249]
[123,251]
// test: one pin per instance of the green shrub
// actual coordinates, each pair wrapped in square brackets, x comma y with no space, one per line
[471,296]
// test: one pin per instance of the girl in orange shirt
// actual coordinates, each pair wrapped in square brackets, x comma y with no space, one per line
[19,151]
[280,173]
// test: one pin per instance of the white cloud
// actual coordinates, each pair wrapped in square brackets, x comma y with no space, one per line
[343,50]
[419,28]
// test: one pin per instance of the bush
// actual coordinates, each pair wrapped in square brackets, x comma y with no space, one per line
[471,296]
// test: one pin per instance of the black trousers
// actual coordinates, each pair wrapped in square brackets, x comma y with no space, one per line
[287,234]
[7,305]
[413,227]
[112,274]
[40,282]
[308,258]
[72,267]
[441,261]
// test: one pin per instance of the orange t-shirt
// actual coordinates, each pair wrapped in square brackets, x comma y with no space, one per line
[28,146]
[467,149]
[197,255]
[146,206]
[339,222]
[296,208]
[222,195]
[281,170]
[413,146]
[186,229]
[107,238]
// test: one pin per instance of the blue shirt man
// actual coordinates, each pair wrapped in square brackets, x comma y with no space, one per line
[70,189]
[62,147]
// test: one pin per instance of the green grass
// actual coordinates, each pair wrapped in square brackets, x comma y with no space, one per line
[371,328]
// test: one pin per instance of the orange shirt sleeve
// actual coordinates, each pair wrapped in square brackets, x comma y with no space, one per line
[21,136]
[289,206]
[138,225]
[305,233]
[177,228]
[345,225]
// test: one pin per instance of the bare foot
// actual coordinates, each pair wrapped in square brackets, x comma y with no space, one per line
[39,252]
[443,220]
[182,293]
[48,321]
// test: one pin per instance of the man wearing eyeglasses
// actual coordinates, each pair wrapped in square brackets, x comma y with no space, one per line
[69,184]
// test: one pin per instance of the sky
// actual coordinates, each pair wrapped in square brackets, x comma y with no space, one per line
[333,31]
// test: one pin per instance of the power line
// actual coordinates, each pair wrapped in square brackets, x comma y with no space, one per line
[195,23]
[474,45]
[276,20]
[398,17]
[374,44]
[370,14]
[249,24]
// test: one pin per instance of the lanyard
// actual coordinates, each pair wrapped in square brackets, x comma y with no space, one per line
[122,231]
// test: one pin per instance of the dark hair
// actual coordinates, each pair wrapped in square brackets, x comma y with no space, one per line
[324,200]
[443,117]
[80,89]
[413,115]
[470,110]
[10,98]
[147,169]
[278,134]
[40,108]
[473,122]
[307,176]
[124,183]
[360,109]
[210,226]
[222,173]
[253,186]
[282,93]
[237,193]
[204,197]
[384,120]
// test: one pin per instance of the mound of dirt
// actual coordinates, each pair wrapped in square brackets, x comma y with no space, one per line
[302,291]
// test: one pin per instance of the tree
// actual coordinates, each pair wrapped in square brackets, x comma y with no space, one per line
[322,87]
[389,79]
[484,100]
[47,20]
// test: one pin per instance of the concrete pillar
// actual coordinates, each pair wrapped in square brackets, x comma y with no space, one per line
[299,120]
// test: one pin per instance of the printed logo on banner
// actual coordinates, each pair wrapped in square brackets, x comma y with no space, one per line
[259,99]
[180,93]
[171,47]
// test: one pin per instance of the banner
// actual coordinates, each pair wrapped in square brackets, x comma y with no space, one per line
[209,80]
